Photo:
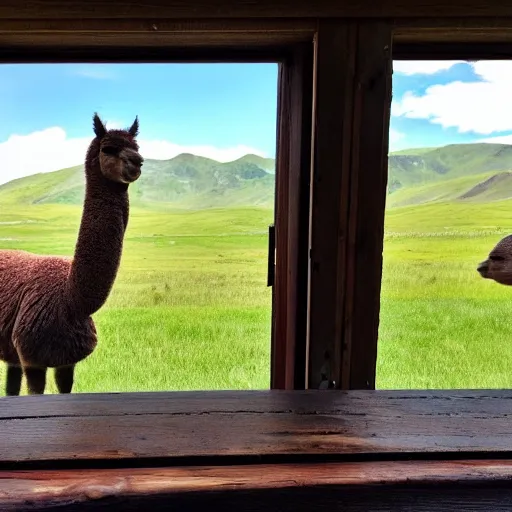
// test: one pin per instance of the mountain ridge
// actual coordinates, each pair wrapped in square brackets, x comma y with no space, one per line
[455,172]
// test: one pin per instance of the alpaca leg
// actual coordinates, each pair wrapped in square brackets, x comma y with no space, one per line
[13,380]
[36,379]
[64,378]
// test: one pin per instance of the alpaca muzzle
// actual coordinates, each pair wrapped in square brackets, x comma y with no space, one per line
[133,164]
[483,268]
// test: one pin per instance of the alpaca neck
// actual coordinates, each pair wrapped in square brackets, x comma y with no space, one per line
[100,241]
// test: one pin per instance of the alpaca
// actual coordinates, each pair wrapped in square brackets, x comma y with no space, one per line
[46,302]
[498,265]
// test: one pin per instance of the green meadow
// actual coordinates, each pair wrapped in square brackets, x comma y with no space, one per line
[190,308]
[441,325]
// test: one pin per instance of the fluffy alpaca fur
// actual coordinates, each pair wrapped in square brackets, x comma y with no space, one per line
[46,302]
[498,265]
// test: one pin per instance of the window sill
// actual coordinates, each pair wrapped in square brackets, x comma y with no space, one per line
[257,445]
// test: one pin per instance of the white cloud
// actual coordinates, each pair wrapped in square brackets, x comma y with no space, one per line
[394,138]
[502,139]
[115,125]
[424,67]
[50,149]
[481,106]
[41,151]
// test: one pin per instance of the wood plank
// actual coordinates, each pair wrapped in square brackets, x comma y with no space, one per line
[31,490]
[279,424]
[150,39]
[119,9]
[179,53]
[362,272]
[336,46]
[449,30]
[143,33]
[292,220]
[164,25]
[351,145]
[388,403]
[281,369]
[453,50]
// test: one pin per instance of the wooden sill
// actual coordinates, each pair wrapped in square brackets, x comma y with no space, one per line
[363,486]
[289,450]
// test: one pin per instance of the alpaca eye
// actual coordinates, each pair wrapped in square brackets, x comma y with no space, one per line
[496,258]
[109,150]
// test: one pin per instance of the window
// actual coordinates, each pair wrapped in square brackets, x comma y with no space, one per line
[190,307]
[331,172]
[448,204]
[266,316]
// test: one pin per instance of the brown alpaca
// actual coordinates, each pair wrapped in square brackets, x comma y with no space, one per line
[46,302]
[498,266]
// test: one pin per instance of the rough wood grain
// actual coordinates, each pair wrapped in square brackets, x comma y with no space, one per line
[277,424]
[351,132]
[369,165]
[116,9]
[34,490]
[292,220]
[449,30]
[137,33]
[387,403]
[336,47]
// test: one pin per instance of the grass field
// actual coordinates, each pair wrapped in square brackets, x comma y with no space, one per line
[191,310]
[442,326]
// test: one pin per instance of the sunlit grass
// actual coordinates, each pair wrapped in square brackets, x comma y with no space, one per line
[441,325]
[190,308]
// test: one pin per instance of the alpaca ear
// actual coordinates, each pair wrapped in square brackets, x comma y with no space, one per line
[134,130]
[99,127]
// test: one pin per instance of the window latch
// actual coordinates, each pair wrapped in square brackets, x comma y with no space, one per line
[271,254]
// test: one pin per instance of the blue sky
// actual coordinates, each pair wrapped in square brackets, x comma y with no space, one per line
[224,110]
[211,104]
[447,102]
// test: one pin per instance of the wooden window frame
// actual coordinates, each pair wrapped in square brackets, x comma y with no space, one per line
[324,450]
[442,39]
[328,225]
[345,298]
[290,45]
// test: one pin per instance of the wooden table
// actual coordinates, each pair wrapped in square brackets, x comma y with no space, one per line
[258,450]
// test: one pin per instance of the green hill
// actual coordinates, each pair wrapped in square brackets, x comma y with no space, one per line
[457,172]
[471,173]
[447,162]
[186,181]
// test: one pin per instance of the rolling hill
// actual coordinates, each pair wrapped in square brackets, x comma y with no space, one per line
[448,162]
[476,173]
[452,173]
[186,181]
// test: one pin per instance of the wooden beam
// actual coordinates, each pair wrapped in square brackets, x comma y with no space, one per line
[40,37]
[204,428]
[361,486]
[452,50]
[367,202]
[292,220]
[353,97]
[336,46]
[180,9]
[450,30]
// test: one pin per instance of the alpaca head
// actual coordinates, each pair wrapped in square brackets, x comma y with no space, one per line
[498,266]
[119,156]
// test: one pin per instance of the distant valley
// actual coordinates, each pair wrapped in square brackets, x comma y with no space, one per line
[457,172]
[186,181]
